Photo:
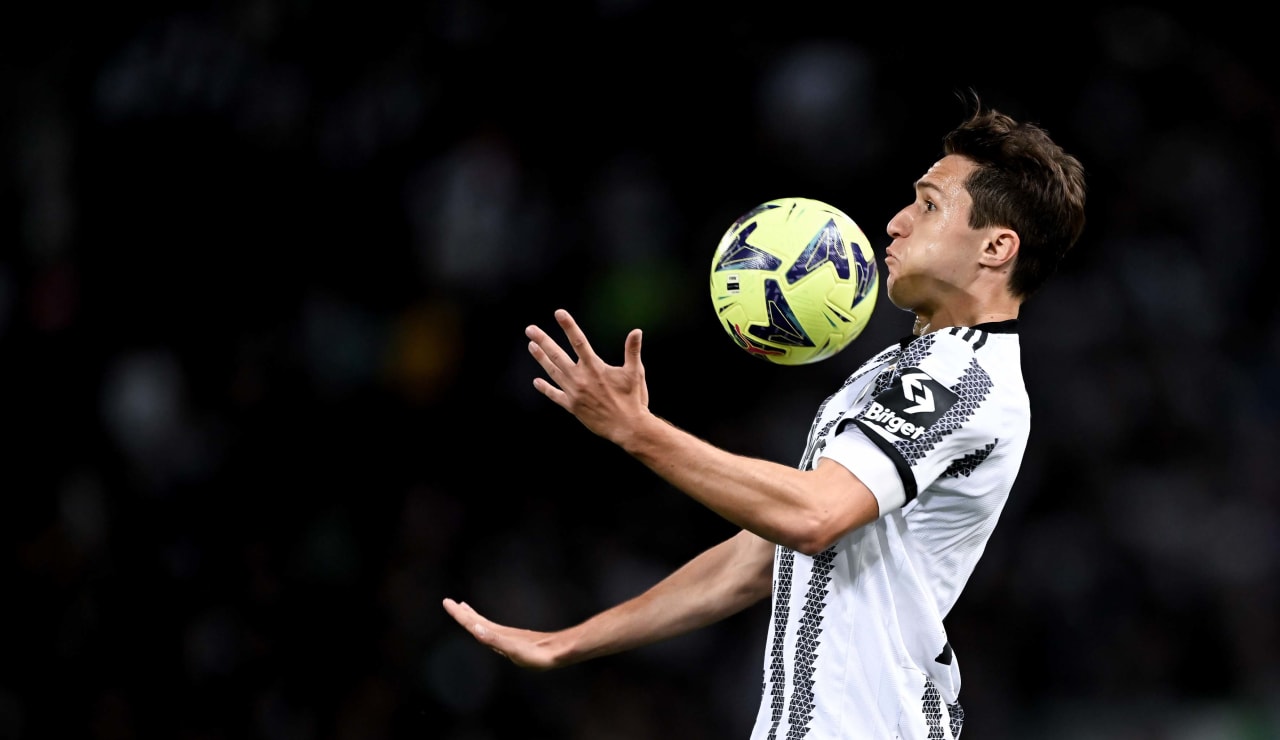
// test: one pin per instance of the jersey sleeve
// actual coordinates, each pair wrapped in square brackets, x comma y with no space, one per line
[918,423]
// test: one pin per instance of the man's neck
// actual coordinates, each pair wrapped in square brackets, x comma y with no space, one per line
[929,323]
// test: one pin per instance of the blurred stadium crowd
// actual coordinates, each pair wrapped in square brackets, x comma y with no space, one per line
[265,273]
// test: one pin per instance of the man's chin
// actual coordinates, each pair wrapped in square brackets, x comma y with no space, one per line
[894,298]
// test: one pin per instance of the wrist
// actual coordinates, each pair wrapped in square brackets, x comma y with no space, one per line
[638,436]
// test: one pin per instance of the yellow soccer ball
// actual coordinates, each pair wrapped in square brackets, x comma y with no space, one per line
[794,281]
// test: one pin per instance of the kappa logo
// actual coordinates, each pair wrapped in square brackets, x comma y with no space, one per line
[907,409]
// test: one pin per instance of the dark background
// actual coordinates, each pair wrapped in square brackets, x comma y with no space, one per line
[266,269]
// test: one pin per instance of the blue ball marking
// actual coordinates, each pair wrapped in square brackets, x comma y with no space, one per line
[742,256]
[784,328]
[826,246]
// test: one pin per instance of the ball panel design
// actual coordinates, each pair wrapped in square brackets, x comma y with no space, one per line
[739,255]
[794,281]
[827,247]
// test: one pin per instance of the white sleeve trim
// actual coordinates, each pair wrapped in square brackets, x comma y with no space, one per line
[873,467]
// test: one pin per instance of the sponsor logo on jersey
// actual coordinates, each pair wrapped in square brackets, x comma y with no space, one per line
[910,406]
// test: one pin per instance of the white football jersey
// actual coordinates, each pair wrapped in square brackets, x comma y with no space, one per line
[936,427]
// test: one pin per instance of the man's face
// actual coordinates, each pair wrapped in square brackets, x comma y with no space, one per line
[933,258]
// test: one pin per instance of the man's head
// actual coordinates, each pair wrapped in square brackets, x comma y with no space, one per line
[990,223]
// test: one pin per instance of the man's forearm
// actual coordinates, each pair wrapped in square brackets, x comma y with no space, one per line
[721,581]
[780,503]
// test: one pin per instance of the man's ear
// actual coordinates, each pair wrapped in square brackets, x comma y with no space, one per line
[1001,248]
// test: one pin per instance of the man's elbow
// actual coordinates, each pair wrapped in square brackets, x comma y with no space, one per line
[818,529]
[813,534]
[833,503]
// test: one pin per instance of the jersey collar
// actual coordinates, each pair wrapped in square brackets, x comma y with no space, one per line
[1008,326]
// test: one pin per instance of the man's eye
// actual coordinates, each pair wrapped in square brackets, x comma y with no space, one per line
[929,206]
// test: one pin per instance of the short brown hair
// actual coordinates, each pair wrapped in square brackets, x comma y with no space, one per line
[1024,181]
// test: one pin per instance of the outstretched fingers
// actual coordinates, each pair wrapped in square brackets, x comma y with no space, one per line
[577,338]
[554,359]
[525,648]
[464,615]
[544,349]
[478,626]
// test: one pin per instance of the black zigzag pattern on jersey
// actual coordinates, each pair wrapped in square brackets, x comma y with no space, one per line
[965,465]
[777,664]
[915,352]
[889,374]
[931,708]
[808,638]
[872,364]
[957,719]
[971,390]
[817,437]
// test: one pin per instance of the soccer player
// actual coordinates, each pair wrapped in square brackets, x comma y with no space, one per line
[866,545]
